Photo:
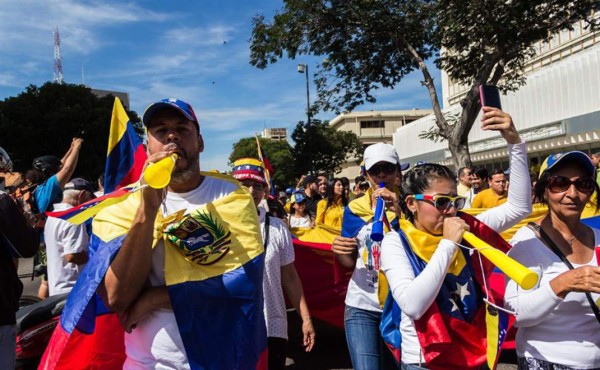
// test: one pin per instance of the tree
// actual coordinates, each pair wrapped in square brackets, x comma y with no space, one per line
[43,121]
[369,44]
[278,152]
[320,147]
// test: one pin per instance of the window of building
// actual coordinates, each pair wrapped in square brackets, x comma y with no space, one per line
[372,124]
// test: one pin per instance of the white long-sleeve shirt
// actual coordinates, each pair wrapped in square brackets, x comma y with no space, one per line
[415,295]
[550,328]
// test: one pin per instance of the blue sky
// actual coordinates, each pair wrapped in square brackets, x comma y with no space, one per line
[197,51]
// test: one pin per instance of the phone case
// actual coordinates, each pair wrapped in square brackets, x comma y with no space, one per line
[489,96]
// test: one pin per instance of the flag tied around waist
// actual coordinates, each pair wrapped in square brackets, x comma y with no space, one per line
[213,271]
[459,330]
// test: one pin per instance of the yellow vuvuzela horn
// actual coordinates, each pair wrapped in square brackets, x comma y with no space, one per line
[158,175]
[513,269]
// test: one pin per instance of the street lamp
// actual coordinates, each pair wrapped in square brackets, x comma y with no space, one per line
[303,68]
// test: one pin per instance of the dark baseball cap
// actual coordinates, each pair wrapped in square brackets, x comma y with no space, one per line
[309,180]
[79,184]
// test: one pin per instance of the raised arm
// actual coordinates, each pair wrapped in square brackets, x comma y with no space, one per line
[69,162]
[518,205]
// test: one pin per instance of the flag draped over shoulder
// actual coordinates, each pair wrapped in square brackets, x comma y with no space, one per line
[459,330]
[324,280]
[126,155]
[213,272]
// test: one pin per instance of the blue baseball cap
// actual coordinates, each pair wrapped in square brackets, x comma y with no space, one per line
[298,197]
[289,191]
[179,105]
[573,156]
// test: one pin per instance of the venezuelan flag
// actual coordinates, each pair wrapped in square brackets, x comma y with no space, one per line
[270,171]
[81,213]
[459,330]
[213,271]
[324,280]
[126,155]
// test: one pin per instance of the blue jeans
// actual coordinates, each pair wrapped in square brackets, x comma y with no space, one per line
[367,349]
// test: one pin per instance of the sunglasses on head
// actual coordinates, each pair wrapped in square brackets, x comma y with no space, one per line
[560,184]
[443,202]
[387,168]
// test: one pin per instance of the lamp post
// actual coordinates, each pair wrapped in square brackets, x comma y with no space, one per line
[303,68]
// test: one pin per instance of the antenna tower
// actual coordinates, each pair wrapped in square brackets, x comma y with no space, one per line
[58,74]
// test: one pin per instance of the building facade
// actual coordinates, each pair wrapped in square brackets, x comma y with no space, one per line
[373,127]
[277,134]
[557,110]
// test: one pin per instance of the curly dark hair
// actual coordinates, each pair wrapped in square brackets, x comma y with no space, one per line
[418,179]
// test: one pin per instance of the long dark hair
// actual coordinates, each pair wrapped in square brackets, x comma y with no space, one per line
[539,191]
[418,179]
[331,192]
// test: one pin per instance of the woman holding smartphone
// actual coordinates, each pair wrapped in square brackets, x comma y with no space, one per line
[430,239]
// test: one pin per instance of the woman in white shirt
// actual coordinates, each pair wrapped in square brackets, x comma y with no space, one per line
[431,204]
[557,327]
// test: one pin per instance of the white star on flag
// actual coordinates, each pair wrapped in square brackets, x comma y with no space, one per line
[462,290]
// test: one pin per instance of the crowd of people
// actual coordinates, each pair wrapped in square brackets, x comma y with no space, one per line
[422,260]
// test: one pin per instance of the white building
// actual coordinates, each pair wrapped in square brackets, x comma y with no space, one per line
[277,134]
[557,110]
[373,127]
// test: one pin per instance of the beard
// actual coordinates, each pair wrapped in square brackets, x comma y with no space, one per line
[191,169]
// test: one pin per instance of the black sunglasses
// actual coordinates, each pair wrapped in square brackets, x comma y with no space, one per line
[387,168]
[560,184]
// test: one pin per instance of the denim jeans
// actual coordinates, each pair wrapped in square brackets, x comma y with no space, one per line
[8,343]
[367,349]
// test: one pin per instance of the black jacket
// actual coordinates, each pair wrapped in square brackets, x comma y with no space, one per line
[17,240]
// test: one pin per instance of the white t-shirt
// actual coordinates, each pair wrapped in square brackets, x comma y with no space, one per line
[300,222]
[363,286]
[62,238]
[279,252]
[550,328]
[155,343]
[415,295]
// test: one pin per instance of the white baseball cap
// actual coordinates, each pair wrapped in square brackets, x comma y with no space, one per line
[380,152]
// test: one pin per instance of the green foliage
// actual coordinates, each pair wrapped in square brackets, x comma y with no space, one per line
[369,44]
[321,148]
[278,152]
[43,121]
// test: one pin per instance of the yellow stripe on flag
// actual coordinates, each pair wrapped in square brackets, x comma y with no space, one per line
[118,125]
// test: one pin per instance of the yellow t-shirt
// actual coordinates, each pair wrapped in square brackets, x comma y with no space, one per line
[488,199]
[331,216]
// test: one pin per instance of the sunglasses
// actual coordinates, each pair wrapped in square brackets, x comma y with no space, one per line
[443,202]
[387,168]
[560,184]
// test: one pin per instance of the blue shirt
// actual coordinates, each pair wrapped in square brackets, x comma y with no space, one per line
[46,193]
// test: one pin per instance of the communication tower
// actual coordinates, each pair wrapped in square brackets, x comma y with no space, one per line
[58,74]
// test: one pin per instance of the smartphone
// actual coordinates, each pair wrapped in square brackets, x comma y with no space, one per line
[489,96]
